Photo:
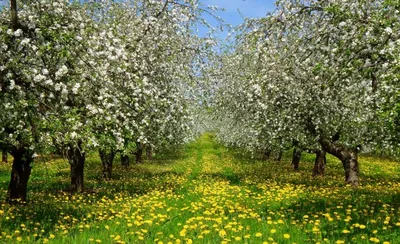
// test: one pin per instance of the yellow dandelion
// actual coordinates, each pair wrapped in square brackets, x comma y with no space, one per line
[286,236]
[222,233]
[374,239]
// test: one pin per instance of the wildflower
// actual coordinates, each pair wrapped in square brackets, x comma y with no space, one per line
[374,239]
[222,233]
[286,236]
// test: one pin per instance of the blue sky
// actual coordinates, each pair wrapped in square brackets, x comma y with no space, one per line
[248,8]
[231,15]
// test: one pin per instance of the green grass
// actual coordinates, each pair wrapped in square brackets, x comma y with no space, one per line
[206,193]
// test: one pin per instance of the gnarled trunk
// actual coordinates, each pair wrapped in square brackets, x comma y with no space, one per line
[139,153]
[4,156]
[320,162]
[149,153]
[20,172]
[351,168]
[296,158]
[347,156]
[107,158]
[76,158]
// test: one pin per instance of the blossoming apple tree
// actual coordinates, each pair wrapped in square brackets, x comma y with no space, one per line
[100,75]
[318,74]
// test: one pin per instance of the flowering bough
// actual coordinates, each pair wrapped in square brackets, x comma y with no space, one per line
[318,74]
[101,75]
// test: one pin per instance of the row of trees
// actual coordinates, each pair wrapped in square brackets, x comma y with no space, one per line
[114,76]
[315,75]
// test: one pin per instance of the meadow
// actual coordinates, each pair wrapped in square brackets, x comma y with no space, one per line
[206,193]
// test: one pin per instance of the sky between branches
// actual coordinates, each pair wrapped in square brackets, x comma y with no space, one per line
[237,10]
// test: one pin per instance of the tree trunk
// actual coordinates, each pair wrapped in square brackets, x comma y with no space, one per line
[125,160]
[279,156]
[14,14]
[21,170]
[350,165]
[139,153]
[4,157]
[149,153]
[267,154]
[320,162]
[347,156]
[107,158]
[76,158]
[296,158]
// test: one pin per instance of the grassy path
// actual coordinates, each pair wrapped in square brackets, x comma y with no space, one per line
[206,194]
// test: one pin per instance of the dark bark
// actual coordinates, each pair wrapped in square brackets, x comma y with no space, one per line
[107,158]
[279,156]
[20,172]
[14,14]
[347,156]
[320,163]
[149,153]
[125,160]
[4,158]
[76,158]
[296,158]
[267,154]
[139,153]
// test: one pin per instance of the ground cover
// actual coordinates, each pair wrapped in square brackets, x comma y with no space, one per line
[206,193]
